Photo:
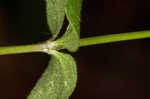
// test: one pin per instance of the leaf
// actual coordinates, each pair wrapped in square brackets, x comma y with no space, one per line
[70,40]
[55,15]
[73,12]
[59,79]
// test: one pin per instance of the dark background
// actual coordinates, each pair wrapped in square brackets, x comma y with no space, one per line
[117,70]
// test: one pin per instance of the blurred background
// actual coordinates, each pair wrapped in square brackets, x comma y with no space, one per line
[117,70]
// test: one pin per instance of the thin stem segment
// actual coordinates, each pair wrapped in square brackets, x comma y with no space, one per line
[48,45]
[114,38]
[21,49]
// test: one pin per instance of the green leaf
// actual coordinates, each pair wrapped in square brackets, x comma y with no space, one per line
[55,15]
[59,79]
[73,11]
[70,40]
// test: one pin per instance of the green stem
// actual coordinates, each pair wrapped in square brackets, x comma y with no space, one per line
[21,49]
[48,45]
[114,38]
